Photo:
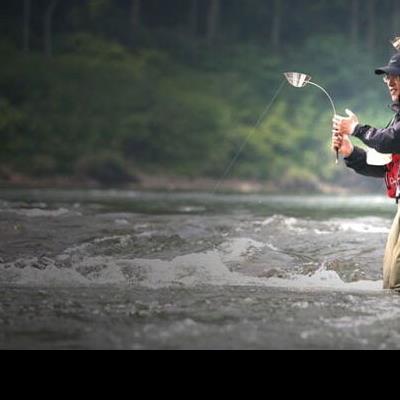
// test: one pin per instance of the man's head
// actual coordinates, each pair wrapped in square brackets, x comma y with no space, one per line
[391,76]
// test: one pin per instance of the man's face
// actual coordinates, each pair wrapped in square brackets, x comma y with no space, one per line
[393,83]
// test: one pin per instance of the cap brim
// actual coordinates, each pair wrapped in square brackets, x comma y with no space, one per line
[387,70]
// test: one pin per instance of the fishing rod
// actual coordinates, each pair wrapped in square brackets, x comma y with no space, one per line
[297,80]
[300,80]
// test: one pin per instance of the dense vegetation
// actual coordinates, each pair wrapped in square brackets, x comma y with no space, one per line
[105,88]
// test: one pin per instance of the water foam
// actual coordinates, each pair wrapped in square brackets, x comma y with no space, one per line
[237,249]
[77,267]
[40,213]
[361,227]
[364,225]
[324,279]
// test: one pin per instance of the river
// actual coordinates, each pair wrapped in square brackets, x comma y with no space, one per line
[118,269]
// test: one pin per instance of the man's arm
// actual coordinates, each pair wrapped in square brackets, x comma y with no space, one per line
[385,140]
[358,162]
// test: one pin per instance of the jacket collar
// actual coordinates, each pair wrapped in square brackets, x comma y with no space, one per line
[396,107]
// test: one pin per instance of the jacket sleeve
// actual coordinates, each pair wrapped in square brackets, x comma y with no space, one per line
[385,140]
[358,162]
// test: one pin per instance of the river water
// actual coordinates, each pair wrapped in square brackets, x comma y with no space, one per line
[109,269]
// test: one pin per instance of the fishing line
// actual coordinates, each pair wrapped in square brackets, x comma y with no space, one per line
[256,126]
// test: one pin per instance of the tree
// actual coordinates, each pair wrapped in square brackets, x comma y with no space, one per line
[136,6]
[371,24]
[355,21]
[193,17]
[213,19]
[27,24]
[396,17]
[48,22]
[277,23]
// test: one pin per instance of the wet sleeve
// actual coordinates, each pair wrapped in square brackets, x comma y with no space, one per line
[358,162]
[385,140]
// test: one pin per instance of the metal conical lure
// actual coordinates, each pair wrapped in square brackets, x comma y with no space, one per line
[297,79]
[396,43]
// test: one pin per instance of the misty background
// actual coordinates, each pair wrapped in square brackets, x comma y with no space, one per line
[116,92]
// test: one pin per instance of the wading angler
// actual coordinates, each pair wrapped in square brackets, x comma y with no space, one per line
[382,160]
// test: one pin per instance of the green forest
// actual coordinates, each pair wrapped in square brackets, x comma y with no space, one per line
[110,89]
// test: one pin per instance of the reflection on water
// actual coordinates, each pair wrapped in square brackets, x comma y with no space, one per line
[293,252]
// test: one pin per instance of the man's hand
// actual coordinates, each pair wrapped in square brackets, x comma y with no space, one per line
[343,144]
[345,126]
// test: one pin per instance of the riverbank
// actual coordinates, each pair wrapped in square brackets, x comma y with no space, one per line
[164,181]
[169,182]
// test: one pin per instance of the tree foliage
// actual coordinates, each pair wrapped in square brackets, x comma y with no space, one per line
[178,86]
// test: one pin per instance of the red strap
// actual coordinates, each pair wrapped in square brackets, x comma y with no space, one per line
[392,176]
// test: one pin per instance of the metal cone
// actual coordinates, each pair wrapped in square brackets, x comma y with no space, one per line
[297,79]
[396,43]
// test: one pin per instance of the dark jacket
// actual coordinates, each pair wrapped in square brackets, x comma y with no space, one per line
[385,141]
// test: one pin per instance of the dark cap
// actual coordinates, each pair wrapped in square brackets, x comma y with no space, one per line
[393,68]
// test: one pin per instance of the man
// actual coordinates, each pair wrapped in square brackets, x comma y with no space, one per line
[386,141]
